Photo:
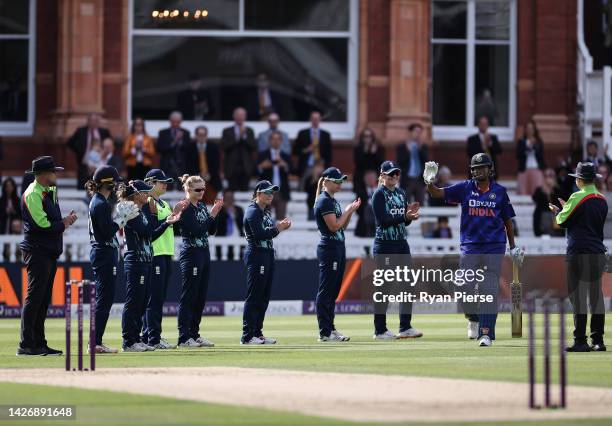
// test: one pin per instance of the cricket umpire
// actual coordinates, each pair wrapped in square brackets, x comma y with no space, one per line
[583,216]
[43,227]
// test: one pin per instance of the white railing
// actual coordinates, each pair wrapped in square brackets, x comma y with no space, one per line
[299,245]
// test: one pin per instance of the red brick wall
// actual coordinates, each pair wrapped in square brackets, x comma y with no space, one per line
[46,57]
[113,60]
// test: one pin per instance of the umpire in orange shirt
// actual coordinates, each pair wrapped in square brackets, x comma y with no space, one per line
[42,244]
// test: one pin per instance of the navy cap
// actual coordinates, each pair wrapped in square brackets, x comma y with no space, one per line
[266,186]
[389,167]
[106,174]
[585,171]
[334,174]
[157,175]
[137,187]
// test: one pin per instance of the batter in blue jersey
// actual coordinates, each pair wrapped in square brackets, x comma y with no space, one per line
[486,221]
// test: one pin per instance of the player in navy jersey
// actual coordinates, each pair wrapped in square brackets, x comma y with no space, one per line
[331,251]
[259,229]
[392,215]
[486,221]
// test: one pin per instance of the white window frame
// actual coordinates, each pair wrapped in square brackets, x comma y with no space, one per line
[339,130]
[25,128]
[460,133]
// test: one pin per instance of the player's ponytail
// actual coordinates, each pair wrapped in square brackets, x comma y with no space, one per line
[254,196]
[319,186]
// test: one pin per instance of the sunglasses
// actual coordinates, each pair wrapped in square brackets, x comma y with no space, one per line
[394,174]
[337,181]
[198,189]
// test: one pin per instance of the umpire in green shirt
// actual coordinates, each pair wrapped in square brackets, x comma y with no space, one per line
[583,216]
[163,255]
[43,227]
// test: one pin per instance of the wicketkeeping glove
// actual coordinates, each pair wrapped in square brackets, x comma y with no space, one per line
[124,212]
[518,255]
[430,172]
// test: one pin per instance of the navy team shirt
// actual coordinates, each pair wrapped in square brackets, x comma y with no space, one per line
[324,205]
[482,216]
[259,227]
[390,214]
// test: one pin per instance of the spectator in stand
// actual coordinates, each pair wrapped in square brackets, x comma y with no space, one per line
[411,157]
[366,225]
[442,181]
[483,141]
[275,166]
[547,193]
[138,151]
[194,101]
[530,156]
[239,146]
[94,157]
[80,143]
[230,224]
[170,143]
[262,139]
[310,186]
[564,181]
[108,155]
[442,229]
[367,155]
[593,156]
[600,183]
[202,157]
[311,145]
[10,208]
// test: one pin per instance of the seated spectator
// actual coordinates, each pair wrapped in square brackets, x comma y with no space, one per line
[530,156]
[411,157]
[548,192]
[239,146]
[202,157]
[310,186]
[108,155]
[275,166]
[442,229]
[311,145]
[262,139]
[600,183]
[483,141]
[230,223]
[138,151]
[170,143]
[80,143]
[367,155]
[366,226]
[10,210]
[442,181]
[592,154]
[94,156]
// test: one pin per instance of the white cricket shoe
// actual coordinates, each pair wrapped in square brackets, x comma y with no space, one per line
[136,347]
[148,347]
[387,335]
[164,344]
[472,330]
[204,343]
[411,333]
[103,349]
[254,341]
[189,344]
[341,336]
[268,340]
[485,341]
[334,336]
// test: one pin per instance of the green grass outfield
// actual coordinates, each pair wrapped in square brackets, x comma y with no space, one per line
[444,351]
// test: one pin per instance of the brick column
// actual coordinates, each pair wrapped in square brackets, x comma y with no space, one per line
[80,61]
[409,67]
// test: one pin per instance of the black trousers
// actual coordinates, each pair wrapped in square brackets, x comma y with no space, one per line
[41,273]
[584,273]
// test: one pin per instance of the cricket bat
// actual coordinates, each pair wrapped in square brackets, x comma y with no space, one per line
[516,290]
